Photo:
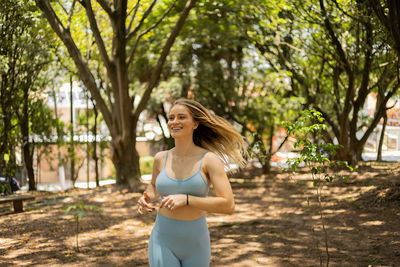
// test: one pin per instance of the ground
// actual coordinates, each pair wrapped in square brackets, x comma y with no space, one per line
[276,223]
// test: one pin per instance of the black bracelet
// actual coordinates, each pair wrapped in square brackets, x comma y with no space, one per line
[187,200]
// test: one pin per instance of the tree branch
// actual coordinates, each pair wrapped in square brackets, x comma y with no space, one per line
[70,14]
[145,15]
[335,41]
[329,121]
[342,10]
[62,7]
[133,16]
[335,80]
[381,110]
[346,65]
[363,91]
[106,6]
[389,108]
[132,53]
[84,71]
[97,35]
[157,70]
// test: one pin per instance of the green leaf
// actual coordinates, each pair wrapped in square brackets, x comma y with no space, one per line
[80,213]
[314,170]
[68,209]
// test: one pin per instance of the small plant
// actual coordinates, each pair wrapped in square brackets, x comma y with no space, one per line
[5,188]
[315,154]
[79,213]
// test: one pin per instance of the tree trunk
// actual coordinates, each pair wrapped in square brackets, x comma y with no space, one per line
[71,140]
[95,157]
[126,160]
[268,156]
[28,159]
[87,143]
[344,153]
[379,156]
[5,143]
[357,154]
[60,139]
[350,153]
[266,166]
[263,156]
[26,145]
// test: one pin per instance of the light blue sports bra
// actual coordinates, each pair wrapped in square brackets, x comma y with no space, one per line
[195,185]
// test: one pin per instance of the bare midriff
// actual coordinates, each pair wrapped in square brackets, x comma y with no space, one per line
[185,213]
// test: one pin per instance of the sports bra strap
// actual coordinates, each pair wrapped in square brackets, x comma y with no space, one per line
[201,162]
[165,161]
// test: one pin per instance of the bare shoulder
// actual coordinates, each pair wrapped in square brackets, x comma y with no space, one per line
[211,156]
[159,158]
[160,155]
[212,161]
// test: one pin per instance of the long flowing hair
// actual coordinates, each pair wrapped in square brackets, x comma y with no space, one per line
[216,134]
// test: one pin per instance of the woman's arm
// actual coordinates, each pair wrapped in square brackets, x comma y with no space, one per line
[224,200]
[151,193]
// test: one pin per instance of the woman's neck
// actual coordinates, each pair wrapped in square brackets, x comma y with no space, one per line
[184,148]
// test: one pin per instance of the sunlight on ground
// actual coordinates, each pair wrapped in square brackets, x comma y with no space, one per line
[371,223]
[272,226]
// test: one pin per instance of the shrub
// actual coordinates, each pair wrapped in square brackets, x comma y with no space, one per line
[146,164]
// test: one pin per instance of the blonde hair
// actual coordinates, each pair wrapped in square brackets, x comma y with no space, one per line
[216,134]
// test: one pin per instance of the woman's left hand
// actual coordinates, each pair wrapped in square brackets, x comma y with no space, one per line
[173,202]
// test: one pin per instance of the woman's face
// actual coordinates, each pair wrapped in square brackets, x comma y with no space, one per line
[180,122]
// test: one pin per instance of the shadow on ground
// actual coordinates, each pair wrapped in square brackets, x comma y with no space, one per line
[276,223]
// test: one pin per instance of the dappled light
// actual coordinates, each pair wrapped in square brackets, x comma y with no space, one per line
[275,224]
[299,99]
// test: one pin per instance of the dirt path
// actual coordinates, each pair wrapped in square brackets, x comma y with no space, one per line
[273,225]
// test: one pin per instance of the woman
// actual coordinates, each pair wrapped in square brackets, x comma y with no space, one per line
[204,145]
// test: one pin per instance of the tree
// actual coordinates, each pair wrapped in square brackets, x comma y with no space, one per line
[221,68]
[388,14]
[314,156]
[335,60]
[25,51]
[117,45]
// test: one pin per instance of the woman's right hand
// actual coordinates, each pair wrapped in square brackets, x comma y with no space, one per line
[144,204]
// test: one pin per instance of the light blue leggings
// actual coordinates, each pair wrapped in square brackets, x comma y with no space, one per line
[177,243]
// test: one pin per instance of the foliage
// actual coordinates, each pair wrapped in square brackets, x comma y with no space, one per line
[254,62]
[79,212]
[119,49]
[315,156]
[334,58]
[5,189]
[218,65]
[25,52]
[291,55]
